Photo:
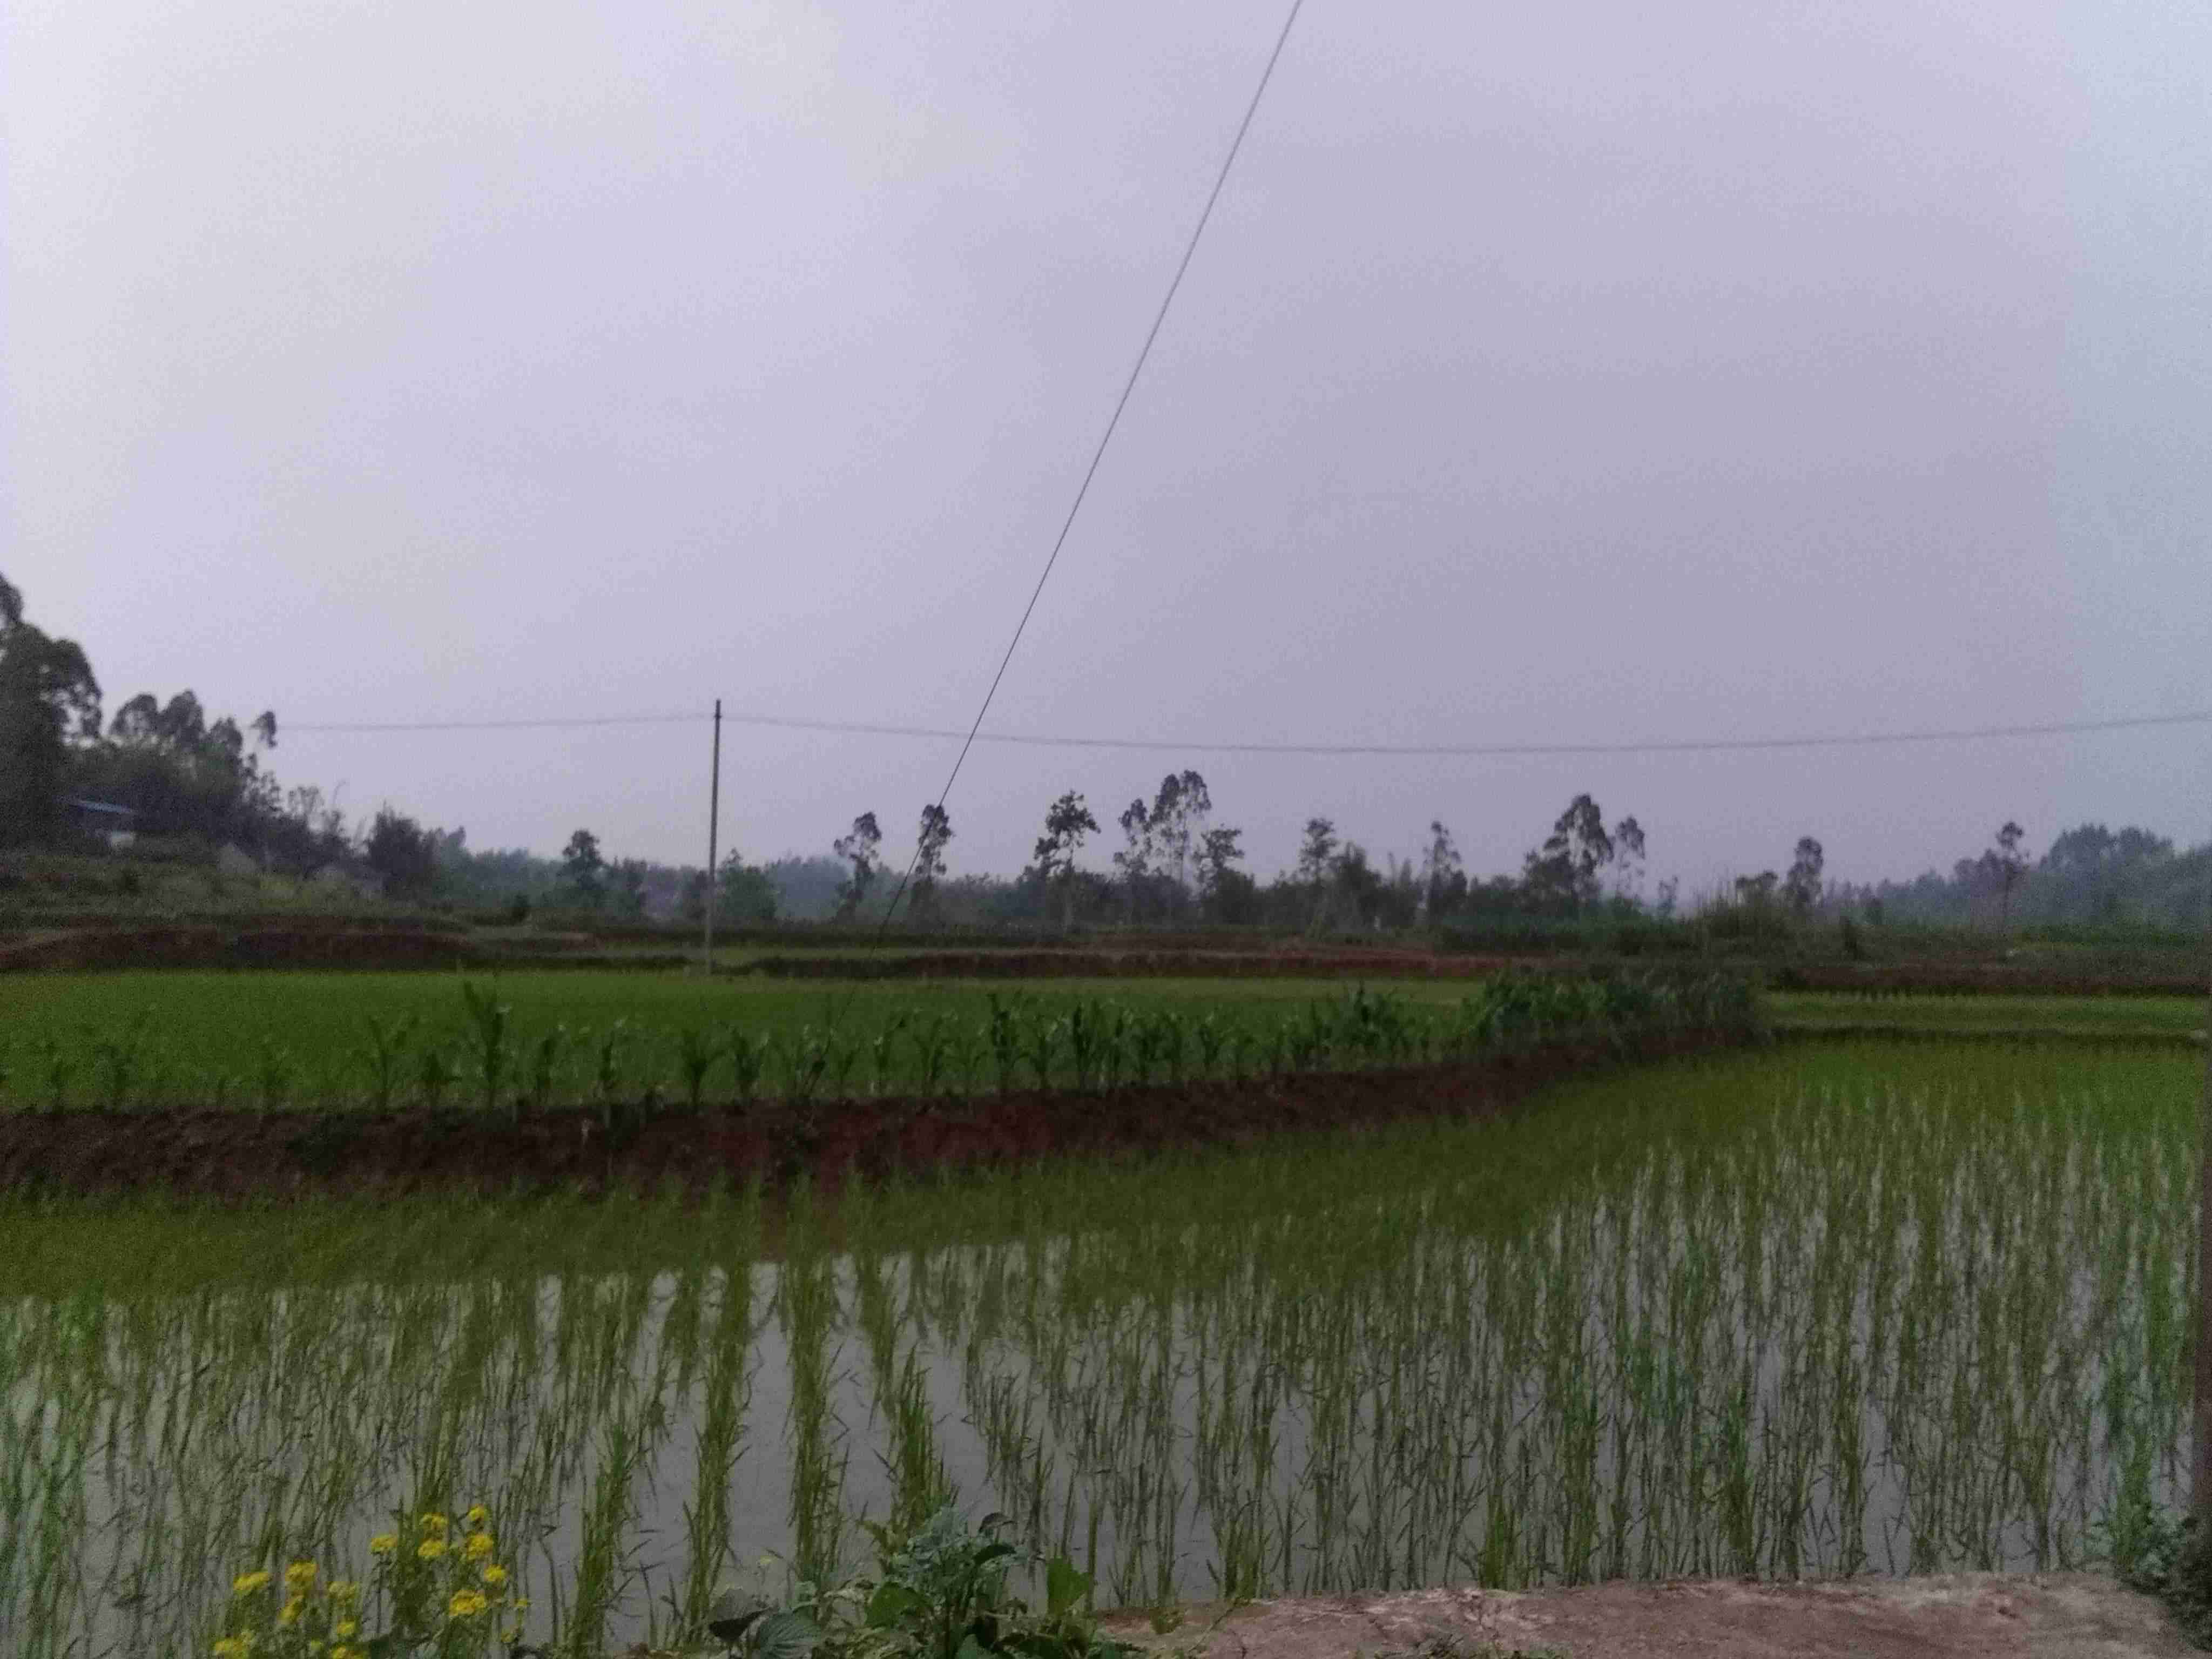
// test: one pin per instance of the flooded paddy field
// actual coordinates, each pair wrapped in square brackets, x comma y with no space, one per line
[1835,1309]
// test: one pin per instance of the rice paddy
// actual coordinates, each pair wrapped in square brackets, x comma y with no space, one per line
[1858,1308]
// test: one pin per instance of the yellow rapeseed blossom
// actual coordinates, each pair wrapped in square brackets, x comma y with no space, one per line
[246,1583]
[343,1592]
[385,1543]
[345,1629]
[495,1575]
[430,1549]
[433,1526]
[230,1647]
[290,1612]
[477,1519]
[479,1546]
[343,1651]
[466,1604]
[299,1577]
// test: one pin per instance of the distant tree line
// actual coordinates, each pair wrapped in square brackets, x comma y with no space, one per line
[2090,874]
[190,776]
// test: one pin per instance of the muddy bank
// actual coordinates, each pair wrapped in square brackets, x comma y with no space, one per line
[233,1153]
[1964,1615]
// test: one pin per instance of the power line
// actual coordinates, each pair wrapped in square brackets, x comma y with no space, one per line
[1113,421]
[1442,751]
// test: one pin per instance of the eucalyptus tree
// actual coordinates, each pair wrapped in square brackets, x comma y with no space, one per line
[1066,823]
[858,847]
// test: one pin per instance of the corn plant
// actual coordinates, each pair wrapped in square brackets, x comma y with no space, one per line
[1004,1039]
[883,1051]
[120,1057]
[609,1052]
[435,1073]
[384,1056]
[1087,1042]
[544,1067]
[488,1025]
[749,1057]
[932,1046]
[274,1072]
[695,1053]
[59,1064]
[806,1063]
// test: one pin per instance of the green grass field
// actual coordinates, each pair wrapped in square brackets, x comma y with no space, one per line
[134,1041]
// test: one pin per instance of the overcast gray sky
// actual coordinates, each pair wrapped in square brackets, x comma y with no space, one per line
[1576,373]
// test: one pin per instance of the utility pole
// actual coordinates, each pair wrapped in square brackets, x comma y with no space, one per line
[714,833]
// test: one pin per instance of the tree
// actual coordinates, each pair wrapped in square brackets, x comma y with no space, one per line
[1757,892]
[929,861]
[1134,861]
[1316,864]
[49,701]
[1178,816]
[399,850]
[1356,884]
[1628,858]
[1801,886]
[1443,879]
[626,891]
[743,893]
[1218,854]
[2003,865]
[582,869]
[1067,823]
[857,846]
[1564,872]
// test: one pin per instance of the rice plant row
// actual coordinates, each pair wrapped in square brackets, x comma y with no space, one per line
[487,1059]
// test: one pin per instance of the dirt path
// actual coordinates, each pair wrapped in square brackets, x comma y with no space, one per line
[1971,1615]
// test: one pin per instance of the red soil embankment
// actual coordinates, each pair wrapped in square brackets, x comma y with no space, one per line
[1145,964]
[184,945]
[233,1154]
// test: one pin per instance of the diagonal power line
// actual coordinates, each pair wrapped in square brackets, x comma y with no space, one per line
[1113,421]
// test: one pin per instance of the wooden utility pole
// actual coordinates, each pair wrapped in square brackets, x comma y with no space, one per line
[714,833]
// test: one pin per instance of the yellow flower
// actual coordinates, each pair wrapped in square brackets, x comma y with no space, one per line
[466,1604]
[290,1612]
[479,1546]
[433,1526]
[495,1575]
[345,1629]
[343,1651]
[345,1592]
[430,1549]
[299,1577]
[511,1635]
[477,1519]
[385,1543]
[246,1583]
[230,1647]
